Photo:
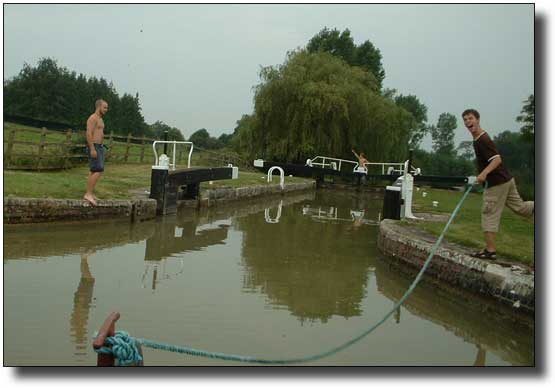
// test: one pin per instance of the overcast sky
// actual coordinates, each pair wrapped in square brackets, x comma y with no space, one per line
[194,66]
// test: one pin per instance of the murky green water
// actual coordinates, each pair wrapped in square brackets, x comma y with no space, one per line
[273,278]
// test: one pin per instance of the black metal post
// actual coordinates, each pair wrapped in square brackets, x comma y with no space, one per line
[166,144]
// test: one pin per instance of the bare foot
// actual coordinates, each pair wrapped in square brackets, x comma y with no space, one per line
[90,199]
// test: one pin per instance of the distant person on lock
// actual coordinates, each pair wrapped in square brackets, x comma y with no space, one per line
[361,158]
[501,188]
[95,148]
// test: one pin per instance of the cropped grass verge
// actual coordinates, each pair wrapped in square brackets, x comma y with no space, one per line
[515,239]
[119,181]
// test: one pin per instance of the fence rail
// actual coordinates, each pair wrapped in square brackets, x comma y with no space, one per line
[44,149]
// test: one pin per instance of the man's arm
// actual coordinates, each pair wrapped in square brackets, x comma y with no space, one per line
[91,127]
[495,161]
[355,153]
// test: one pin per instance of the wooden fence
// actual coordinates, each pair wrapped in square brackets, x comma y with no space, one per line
[41,149]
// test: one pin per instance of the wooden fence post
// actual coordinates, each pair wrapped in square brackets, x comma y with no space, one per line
[143,148]
[11,139]
[127,146]
[67,148]
[111,141]
[41,147]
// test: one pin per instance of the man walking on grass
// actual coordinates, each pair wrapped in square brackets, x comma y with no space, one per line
[501,189]
[95,148]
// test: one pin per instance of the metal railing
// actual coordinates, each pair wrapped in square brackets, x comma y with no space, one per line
[335,164]
[174,142]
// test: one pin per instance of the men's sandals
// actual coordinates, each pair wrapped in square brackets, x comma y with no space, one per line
[485,254]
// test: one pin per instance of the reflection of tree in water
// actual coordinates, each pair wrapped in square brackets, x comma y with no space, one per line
[81,307]
[316,269]
[466,316]
[177,235]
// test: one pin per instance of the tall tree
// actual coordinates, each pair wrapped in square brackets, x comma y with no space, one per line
[419,112]
[315,103]
[528,119]
[53,93]
[341,45]
[443,134]
[159,127]
[466,150]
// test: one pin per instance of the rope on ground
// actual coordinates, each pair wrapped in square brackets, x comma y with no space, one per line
[124,348]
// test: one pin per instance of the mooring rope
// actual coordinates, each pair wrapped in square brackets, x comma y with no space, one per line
[124,348]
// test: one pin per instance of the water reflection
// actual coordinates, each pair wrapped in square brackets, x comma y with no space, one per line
[82,300]
[271,220]
[315,260]
[61,239]
[475,320]
[314,269]
[176,235]
[332,213]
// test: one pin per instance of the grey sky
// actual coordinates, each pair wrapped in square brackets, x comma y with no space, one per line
[194,66]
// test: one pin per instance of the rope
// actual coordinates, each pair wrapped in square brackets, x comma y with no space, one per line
[124,347]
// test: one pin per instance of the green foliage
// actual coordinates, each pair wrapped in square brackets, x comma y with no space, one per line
[53,93]
[443,164]
[528,118]
[419,112]
[466,150]
[317,104]
[518,158]
[443,134]
[157,130]
[341,45]
[202,139]
[242,140]
[225,139]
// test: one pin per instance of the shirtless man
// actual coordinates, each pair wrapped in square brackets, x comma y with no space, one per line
[361,158]
[95,149]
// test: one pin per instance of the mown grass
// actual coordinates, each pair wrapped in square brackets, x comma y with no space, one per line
[515,239]
[117,149]
[118,182]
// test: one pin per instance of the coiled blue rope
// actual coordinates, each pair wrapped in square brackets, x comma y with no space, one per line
[124,347]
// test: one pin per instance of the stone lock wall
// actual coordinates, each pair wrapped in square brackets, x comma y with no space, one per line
[29,210]
[512,285]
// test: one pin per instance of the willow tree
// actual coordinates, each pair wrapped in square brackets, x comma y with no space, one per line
[315,103]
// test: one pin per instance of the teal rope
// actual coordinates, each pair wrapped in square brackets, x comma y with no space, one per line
[123,344]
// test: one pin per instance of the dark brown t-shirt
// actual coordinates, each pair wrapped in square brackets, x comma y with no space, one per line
[485,151]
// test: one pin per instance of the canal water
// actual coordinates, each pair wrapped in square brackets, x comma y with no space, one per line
[273,278]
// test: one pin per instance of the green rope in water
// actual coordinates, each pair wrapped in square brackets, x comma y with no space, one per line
[124,348]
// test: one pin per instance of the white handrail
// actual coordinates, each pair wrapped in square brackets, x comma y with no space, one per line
[329,162]
[281,175]
[387,164]
[332,162]
[278,215]
[174,142]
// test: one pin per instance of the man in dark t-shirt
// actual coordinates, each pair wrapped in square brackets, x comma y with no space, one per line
[501,188]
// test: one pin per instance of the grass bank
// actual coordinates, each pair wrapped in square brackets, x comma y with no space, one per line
[515,239]
[118,182]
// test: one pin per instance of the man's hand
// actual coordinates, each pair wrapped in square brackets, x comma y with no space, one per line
[94,155]
[481,178]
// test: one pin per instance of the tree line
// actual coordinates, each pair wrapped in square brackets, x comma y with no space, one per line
[325,99]
[51,92]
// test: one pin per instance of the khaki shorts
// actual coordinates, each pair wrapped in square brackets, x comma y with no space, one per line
[495,199]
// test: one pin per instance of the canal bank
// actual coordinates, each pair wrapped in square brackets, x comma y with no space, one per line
[509,284]
[138,209]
